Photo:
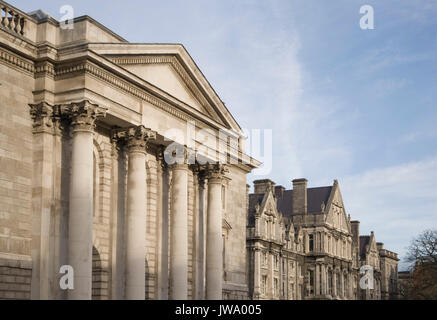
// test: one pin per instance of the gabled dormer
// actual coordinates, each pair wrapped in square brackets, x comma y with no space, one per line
[369,252]
[335,211]
[264,216]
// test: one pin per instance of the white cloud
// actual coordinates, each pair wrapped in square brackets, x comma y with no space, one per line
[396,202]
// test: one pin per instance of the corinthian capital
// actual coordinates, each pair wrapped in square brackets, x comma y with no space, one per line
[216,172]
[136,137]
[83,114]
[42,116]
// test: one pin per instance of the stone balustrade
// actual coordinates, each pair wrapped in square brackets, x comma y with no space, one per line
[12,19]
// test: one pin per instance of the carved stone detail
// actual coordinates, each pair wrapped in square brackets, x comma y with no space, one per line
[83,114]
[136,138]
[160,161]
[42,116]
[216,172]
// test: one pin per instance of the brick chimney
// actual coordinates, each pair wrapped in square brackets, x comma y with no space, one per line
[261,186]
[355,226]
[300,204]
[279,191]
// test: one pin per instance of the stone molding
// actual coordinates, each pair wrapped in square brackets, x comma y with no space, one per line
[100,73]
[173,61]
[17,62]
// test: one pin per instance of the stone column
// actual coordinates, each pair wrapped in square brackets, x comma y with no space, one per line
[42,199]
[117,220]
[136,139]
[179,231]
[80,223]
[214,244]
[162,247]
[199,240]
[317,282]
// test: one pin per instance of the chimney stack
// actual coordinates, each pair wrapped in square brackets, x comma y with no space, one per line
[300,204]
[279,191]
[262,186]
[355,226]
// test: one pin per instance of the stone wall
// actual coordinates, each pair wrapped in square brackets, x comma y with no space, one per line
[15,277]
[15,180]
[236,281]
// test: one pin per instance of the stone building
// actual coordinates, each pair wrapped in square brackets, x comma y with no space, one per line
[385,269]
[302,245]
[88,121]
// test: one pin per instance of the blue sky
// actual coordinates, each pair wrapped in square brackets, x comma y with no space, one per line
[344,103]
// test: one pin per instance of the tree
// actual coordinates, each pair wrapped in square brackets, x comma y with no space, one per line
[422,254]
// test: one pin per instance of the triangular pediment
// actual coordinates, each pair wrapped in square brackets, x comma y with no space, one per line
[170,69]
[268,206]
[372,247]
[336,212]
[167,73]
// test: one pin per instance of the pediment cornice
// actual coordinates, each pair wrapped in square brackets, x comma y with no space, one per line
[183,57]
[171,60]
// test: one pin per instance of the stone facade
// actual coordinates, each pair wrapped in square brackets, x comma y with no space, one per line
[86,120]
[302,245]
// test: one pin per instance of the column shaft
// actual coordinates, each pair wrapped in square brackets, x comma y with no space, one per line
[163,189]
[136,211]
[179,232]
[136,226]
[214,242]
[199,237]
[81,214]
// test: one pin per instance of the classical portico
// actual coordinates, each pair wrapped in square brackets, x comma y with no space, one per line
[86,179]
[136,142]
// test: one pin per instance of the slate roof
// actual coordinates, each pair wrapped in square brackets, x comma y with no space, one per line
[315,197]
[253,200]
